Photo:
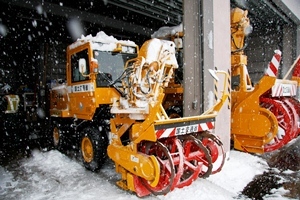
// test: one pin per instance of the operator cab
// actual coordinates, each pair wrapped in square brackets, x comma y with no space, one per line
[106,60]
[111,66]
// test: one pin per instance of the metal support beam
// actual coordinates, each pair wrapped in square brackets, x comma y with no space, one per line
[193,74]
[290,8]
[168,12]
[275,10]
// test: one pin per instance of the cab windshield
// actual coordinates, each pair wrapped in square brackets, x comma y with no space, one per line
[110,66]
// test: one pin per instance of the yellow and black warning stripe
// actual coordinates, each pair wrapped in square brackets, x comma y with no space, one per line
[229,88]
[216,87]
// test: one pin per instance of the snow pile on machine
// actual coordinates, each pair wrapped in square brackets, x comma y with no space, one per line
[102,42]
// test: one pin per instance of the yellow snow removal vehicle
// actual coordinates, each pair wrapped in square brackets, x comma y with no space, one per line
[111,103]
[264,116]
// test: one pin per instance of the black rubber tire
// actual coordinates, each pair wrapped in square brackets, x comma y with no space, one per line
[49,140]
[99,142]
[175,112]
[57,136]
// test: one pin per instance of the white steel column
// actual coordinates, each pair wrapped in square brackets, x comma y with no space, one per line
[206,46]
[220,34]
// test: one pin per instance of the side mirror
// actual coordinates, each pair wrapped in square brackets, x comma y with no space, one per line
[178,43]
[82,65]
[94,66]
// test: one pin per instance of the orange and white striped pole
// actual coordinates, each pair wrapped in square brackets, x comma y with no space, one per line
[274,64]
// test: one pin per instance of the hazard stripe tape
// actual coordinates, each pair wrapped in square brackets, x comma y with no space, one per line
[294,90]
[229,89]
[284,90]
[183,130]
[277,90]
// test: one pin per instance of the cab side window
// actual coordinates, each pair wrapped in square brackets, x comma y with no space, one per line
[76,75]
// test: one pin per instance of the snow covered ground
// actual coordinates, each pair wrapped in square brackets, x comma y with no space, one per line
[53,175]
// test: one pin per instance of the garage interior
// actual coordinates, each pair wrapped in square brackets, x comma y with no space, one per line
[34,34]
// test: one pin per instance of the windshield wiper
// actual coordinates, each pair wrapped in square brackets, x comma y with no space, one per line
[113,83]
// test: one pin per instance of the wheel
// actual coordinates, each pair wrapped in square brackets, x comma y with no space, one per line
[93,148]
[63,136]
[57,136]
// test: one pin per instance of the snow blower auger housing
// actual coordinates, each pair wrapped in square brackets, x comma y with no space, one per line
[153,153]
[264,116]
